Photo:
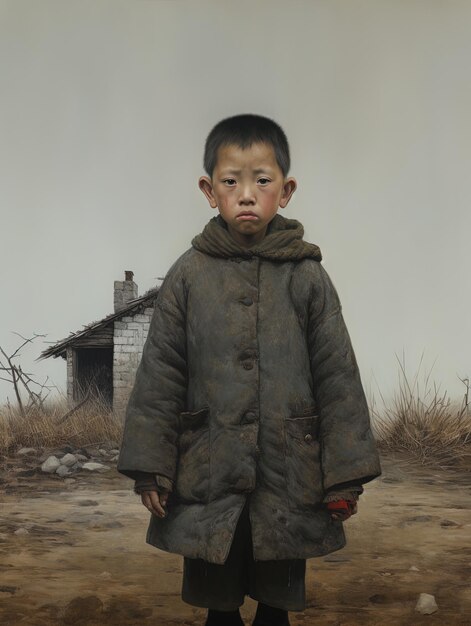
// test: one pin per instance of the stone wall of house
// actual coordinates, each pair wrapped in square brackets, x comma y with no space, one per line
[130,334]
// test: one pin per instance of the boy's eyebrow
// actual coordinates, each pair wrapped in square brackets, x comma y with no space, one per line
[258,170]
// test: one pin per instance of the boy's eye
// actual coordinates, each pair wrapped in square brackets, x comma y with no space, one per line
[264,179]
[229,180]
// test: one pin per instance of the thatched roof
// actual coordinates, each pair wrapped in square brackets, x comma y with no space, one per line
[133,307]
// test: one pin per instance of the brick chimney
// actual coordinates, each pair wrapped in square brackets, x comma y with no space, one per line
[124,291]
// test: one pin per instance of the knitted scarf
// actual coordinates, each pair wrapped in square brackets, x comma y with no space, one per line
[283,241]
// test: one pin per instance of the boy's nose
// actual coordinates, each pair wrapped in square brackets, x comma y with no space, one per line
[247,194]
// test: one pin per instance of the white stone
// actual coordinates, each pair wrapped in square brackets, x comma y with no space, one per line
[26,451]
[21,531]
[50,464]
[426,604]
[68,459]
[91,466]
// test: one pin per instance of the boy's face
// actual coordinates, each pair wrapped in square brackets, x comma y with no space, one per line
[247,181]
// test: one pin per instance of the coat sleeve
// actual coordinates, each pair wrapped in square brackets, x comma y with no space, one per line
[348,448]
[151,425]
[152,482]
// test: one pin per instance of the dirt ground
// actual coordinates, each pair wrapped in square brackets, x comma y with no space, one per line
[84,560]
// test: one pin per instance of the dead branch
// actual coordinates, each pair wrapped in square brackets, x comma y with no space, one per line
[17,377]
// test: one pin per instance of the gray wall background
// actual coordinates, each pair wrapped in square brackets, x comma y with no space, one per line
[104,110]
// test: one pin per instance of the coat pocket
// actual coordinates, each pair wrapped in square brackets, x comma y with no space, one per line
[303,461]
[192,480]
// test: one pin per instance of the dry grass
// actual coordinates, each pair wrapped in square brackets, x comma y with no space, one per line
[424,425]
[91,424]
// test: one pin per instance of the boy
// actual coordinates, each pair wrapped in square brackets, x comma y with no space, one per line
[247,430]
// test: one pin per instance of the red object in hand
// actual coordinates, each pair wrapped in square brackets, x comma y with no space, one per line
[344,507]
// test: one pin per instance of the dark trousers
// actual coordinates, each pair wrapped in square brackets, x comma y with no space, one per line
[280,583]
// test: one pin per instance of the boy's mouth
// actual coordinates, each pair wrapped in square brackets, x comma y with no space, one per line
[247,215]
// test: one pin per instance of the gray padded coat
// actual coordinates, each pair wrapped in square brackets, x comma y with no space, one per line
[248,385]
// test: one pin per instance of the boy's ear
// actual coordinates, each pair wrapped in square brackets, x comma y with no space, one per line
[206,186]
[289,187]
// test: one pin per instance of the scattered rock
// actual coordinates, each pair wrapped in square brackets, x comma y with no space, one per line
[68,459]
[26,451]
[8,589]
[87,502]
[103,452]
[50,465]
[62,470]
[448,522]
[114,451]
[105,575]
[21,531]
[413,568]
[91,466]
[81,457]
[426,604]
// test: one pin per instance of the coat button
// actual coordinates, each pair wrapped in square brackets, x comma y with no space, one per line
[249,417]
[308,437]
[247,301]
[248,365]
[257,451]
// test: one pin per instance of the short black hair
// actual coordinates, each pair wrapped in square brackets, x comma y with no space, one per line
[244,130]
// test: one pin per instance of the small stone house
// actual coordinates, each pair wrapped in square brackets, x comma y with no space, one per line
[102,359]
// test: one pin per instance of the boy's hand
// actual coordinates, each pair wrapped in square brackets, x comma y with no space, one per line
[155,501]
[342,509]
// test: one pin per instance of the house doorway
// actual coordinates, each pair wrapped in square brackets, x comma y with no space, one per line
[94,373]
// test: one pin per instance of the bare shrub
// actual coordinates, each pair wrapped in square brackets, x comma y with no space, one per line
[425,425]
[23,381]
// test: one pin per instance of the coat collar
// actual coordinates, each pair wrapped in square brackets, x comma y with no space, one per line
[283,241]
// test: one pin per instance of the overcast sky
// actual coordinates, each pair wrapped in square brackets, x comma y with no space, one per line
[104,109]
